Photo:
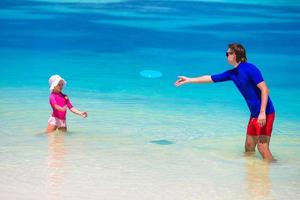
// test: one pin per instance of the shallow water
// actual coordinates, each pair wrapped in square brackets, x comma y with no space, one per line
[144,138]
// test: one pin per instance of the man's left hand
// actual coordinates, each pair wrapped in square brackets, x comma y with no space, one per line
[261,120]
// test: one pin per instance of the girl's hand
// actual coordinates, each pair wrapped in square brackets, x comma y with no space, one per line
[57,107]
[84,114]
[65,108]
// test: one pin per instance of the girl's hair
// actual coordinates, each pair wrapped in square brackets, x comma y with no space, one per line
[239,51]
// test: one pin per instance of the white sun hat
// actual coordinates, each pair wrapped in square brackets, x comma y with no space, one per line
[54,80]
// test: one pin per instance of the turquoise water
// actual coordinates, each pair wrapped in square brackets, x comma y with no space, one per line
[145,138]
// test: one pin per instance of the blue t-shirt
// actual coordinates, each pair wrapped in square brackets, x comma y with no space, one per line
[246,76]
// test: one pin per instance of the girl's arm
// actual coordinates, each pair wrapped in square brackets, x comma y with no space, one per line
[77,112]
[57,107]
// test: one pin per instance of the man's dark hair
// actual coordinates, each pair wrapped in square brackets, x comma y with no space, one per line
[239,51]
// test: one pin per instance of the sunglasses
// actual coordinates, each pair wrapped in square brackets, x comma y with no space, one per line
[229,53]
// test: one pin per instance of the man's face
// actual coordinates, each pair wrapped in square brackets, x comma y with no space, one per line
[231,57]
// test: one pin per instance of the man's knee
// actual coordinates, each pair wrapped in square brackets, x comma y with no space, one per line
[262,147]
[249,146]
[263,143]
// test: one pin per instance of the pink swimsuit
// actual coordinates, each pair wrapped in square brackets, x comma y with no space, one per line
[62,100]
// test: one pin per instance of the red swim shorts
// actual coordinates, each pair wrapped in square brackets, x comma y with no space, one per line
[254,129]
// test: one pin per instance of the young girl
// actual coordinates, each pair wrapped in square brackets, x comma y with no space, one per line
[59,103]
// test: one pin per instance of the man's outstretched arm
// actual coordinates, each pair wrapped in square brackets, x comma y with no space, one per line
[202,79]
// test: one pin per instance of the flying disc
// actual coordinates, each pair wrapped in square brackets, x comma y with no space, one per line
[150,74]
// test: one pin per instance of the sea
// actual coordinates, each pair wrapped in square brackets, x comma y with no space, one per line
[144,138]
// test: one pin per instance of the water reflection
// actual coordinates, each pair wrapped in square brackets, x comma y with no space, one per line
[56,156]
[258,183]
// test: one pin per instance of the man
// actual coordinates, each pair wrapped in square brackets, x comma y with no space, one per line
[252,86]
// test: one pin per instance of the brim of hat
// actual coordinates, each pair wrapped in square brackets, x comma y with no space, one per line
[55,83]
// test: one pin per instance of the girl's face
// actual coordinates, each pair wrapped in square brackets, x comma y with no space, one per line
[59,86]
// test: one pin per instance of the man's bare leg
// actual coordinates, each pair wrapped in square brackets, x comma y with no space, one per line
[263,147]
[250,143]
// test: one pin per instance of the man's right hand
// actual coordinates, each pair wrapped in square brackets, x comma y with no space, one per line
[182,80]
